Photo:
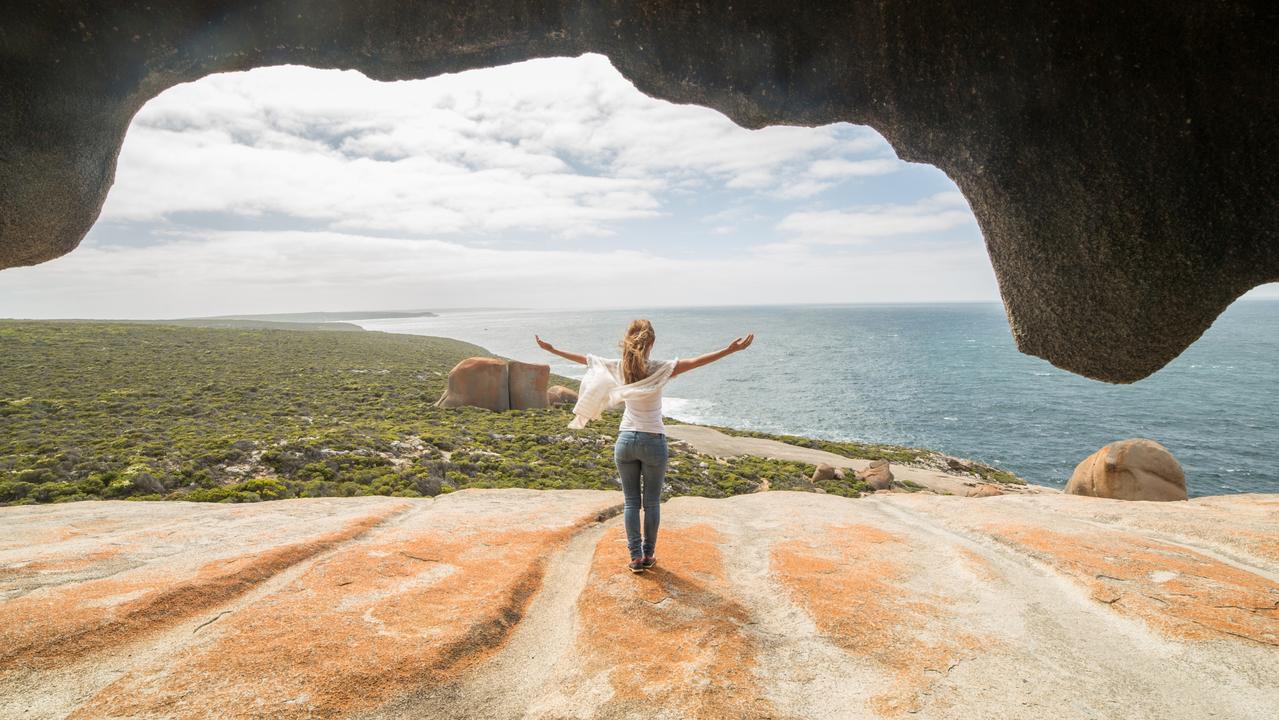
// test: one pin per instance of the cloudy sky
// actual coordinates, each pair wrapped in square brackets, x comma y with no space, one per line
[550,183]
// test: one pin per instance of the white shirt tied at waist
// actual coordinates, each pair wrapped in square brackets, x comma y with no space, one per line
[603,388]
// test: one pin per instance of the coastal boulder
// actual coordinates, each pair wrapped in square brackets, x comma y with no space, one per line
[823,473]
[478,381]
[526,384]
[560,395]
[984,490]
[878,475]
[1135,469]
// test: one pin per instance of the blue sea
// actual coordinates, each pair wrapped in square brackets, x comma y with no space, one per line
[946,377]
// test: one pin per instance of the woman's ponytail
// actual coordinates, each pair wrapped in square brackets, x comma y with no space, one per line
[635,348]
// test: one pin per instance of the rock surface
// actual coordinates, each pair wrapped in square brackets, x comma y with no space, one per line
[1135,469]
[822,473]
[480,382]
[496,384]
[985,490]
[710,441]
[527,387]
[1114,156]
[516,603]
[560,395]
[877,475]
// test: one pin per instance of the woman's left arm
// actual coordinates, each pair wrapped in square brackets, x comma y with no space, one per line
[562,353]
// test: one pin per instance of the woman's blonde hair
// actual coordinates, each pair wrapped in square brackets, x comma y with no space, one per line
[635,347]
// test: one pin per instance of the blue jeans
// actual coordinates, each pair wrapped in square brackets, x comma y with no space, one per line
[641,454]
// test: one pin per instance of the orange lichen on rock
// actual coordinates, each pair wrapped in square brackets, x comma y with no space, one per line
[65,564]
[58,625]
[853,582]
[980,565]
[1178,590]
[369,623]
[671,637]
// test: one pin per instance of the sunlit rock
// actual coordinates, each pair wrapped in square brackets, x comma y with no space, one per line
[1136,469]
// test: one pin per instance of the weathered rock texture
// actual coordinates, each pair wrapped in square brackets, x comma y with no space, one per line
[496,384]
[516,603]
[560,395]
[878,475]
[1122,159]
[478,381]
[527,384]
[1135,469]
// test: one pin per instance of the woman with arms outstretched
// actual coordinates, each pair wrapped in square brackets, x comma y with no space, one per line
[640,451]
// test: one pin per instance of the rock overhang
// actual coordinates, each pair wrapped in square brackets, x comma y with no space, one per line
[1120,161]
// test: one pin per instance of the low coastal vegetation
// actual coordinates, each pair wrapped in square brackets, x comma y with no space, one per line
[145,411]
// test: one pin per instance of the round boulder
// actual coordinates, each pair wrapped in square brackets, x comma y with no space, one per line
[560,395]
[984,490]
[823,473]
[878,475]
[1135,469]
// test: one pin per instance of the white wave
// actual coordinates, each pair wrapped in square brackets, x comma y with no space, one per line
[692,410]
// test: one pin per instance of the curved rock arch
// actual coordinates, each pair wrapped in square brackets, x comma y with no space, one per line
[1122,159]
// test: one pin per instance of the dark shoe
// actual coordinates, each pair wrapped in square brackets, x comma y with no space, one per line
[648,561]
[637,565]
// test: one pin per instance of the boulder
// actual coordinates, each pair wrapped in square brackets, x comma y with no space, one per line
[478,381]
[823,473]
[878,475]
[985,490]
[1134,469]
[560,395]
[526,384]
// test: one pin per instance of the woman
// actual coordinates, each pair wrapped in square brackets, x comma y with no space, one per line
[640,451]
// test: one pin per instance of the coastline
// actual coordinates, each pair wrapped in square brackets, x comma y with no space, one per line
[943,377]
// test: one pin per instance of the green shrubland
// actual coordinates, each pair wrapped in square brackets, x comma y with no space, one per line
[148,411]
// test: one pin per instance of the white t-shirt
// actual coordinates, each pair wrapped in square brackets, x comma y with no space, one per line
[643,414]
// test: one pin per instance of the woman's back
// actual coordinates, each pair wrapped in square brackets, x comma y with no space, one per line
[643,410]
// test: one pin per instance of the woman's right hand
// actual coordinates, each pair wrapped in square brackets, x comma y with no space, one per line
[741,343]
[543,344]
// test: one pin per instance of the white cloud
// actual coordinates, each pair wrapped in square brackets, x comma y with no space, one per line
[564,146]
[547,183]
[248,272]
[936,214]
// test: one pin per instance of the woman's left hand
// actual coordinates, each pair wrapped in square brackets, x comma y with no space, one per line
[543,344]
[741,343]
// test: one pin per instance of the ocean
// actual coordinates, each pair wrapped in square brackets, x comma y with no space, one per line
[946,377]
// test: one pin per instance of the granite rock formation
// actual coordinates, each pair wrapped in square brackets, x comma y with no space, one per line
[1122,160]
[496,384]
[479,382]
[560,395]
[878,475]
[516,603]
[1135,469]
[527,384]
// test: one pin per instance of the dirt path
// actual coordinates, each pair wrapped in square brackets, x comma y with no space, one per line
[713,442]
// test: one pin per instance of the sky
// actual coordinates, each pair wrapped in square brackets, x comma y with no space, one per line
[551,183]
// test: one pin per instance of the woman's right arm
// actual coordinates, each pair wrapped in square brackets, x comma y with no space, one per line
[686,364]
[562,353]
